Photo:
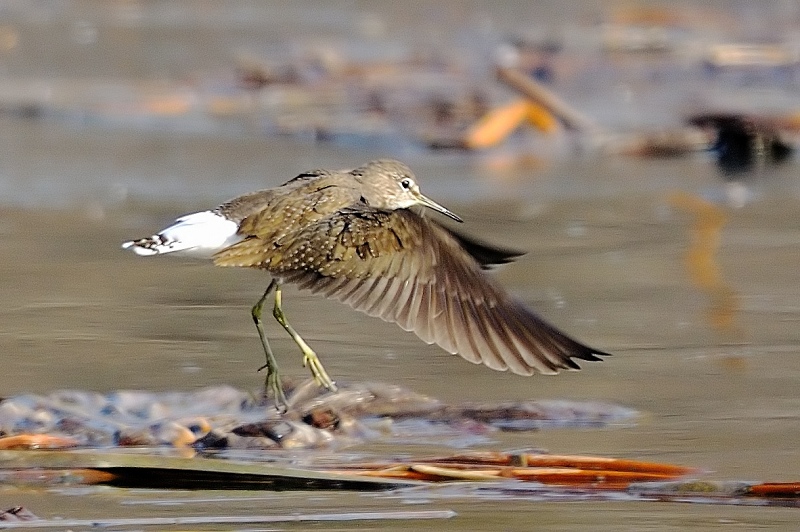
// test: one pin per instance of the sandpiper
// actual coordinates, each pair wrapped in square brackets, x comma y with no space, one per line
[351,235]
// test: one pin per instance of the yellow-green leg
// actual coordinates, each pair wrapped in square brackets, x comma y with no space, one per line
[310,359]
[273,381]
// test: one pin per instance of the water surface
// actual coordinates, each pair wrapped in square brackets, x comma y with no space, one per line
[698,301]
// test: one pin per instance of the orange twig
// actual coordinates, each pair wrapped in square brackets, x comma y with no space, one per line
[36,441]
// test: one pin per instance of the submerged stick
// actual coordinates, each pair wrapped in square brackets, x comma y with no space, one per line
[228,519]
[571,117]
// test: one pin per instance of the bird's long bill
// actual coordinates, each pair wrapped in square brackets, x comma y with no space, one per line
[427,202]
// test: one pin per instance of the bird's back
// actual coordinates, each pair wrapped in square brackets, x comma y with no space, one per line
[240,207]
[270,216]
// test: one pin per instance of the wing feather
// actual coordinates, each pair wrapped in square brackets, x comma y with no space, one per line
[477,337]
[409,270]
[422,327]
[372,304]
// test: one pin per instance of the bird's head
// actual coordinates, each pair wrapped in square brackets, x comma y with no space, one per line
[389,185]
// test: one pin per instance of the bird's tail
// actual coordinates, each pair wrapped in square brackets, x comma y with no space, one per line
[202,234]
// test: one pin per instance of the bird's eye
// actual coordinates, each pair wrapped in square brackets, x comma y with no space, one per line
[406,183]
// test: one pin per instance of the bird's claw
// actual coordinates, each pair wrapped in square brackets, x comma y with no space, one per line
[312,362]
[273,385]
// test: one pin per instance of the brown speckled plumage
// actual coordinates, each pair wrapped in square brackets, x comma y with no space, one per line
[351,236]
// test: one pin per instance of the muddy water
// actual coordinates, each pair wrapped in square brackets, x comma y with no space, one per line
[698,302]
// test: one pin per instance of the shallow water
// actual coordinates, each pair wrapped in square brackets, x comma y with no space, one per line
[699,303]
[607,262]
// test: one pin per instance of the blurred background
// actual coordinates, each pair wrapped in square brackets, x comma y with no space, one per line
[641,152]
[104,102]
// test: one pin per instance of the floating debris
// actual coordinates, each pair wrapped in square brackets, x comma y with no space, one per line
[547,99]
[722,492]
[729,493]
[17,513]
[214,463]
[228,519]
[499,123]
[208,471]
[37,441]
[743,142]
[750,56]
[483,475]
[222,417]
[584,471]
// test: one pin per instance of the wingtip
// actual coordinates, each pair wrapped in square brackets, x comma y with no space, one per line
[588,354]
[592,355]
[597,354]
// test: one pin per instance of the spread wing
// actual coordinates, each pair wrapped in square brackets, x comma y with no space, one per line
[406,269]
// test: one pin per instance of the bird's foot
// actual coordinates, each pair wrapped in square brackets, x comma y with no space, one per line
[312,362]
[274,387]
